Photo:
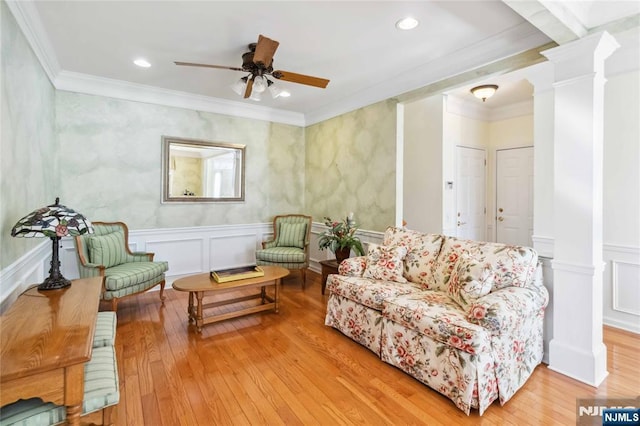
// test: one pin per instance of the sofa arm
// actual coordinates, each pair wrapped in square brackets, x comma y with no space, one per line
[353,266]
[504,310]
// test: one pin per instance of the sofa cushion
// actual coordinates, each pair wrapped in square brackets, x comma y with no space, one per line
[368,292]
[107,250]
[422,252]
[385,263]
[435,315]
[469,280]
[353,266]
[291,235]
[512,265]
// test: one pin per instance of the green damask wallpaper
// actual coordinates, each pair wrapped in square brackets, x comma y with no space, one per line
[351,166]
[111,153]
[28,148]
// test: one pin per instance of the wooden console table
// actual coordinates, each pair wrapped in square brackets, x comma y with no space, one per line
[46,339]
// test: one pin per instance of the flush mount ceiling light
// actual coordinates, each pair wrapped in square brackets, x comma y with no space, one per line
[407,23]
[485,91]
[142,63]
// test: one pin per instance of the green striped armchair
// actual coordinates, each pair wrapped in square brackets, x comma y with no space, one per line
[289,247]
[106,253]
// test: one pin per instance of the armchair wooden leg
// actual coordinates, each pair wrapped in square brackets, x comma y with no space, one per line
[162,296]
[114,304]
[303,275]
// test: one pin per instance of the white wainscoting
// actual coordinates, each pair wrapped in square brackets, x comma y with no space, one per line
[620,284]
[31,268]
[200,249]
[189,250]
[622,287]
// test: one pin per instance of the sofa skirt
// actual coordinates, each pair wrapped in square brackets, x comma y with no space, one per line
[467,379]
[356,321]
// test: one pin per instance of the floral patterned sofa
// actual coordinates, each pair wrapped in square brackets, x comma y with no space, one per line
[464,317]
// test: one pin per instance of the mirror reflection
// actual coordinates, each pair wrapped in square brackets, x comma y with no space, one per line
[201,171]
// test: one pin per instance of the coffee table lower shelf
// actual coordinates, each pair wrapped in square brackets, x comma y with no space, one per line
[202,285]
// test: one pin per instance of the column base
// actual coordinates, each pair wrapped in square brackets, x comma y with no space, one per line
[589,367]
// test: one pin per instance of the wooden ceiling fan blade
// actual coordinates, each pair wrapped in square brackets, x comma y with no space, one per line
[265,49]
[222,67]
[247,91]
[300,78]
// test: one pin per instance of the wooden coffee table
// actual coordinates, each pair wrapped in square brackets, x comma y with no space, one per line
[202,284]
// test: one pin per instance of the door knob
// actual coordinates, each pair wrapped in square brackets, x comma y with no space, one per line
[500,218]
[500,209]
[461,223]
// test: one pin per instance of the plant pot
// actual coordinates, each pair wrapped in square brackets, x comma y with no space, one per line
[342,254]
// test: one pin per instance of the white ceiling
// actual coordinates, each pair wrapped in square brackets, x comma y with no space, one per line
[354,44]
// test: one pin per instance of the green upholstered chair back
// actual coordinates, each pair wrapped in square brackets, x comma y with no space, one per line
[293,219]
[99,228]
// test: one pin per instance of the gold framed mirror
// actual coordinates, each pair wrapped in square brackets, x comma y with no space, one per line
[201,171]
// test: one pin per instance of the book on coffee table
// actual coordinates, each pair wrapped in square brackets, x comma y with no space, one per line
[233,274]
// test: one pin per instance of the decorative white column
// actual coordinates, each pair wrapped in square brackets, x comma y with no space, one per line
[577,349]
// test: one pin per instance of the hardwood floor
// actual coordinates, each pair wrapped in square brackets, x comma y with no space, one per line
[289,368]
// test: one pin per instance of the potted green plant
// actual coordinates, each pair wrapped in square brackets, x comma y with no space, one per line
[340,238]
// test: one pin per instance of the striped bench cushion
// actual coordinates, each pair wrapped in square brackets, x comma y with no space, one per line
[101,389]
[105,329]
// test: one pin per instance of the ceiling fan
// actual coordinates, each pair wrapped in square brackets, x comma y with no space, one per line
[258,62]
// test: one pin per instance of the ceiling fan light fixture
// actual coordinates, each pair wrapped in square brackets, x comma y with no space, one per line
[275,90]
[407,23]
[239,86]
[255,96]
[259,84]
[485,91]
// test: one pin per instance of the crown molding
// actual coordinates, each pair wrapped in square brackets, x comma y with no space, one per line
[28,19]
[119,89]
[506,112]
[459,106]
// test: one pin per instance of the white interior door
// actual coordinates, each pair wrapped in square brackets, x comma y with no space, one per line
[470,194]
[514,196]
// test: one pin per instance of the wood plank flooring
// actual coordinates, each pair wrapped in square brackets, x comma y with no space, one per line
[289,368]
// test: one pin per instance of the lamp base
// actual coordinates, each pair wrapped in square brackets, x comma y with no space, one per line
[52,283]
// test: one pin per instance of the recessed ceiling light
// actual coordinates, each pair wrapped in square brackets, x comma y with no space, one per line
[407,23]
[143,63]
[284,94]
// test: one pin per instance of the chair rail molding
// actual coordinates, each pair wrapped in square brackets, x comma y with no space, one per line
[29,269]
